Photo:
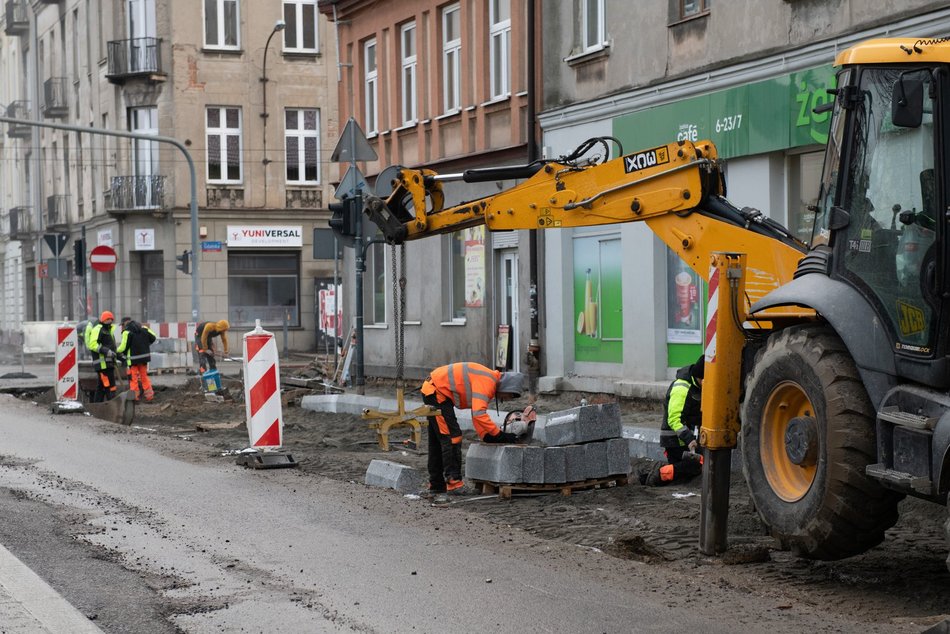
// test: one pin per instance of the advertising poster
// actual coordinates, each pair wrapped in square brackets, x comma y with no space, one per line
[501,351]
[474,241]
[685,311]
[598,300]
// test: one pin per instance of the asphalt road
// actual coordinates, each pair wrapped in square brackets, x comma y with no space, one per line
[150,535]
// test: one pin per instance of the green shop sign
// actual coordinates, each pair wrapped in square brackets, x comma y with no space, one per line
[766,116]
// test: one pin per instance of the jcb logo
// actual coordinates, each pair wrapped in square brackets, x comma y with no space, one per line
[911,319]
[645,159]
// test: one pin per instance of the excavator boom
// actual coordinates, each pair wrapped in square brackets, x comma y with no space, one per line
[676,189]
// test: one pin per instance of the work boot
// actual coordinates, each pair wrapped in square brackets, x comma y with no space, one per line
[135,395]
[430,493]
[456,487]
[149,395]
[440,499]
[654,477]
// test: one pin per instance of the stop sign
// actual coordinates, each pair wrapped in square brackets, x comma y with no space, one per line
[103,258]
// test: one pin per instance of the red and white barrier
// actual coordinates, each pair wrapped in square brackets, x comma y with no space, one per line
[712,314]
[265,421]
[174,329]
[67,371]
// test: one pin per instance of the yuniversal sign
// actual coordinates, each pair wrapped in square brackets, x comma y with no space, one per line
[265,236]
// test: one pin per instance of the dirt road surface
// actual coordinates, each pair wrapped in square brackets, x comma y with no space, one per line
[902,585]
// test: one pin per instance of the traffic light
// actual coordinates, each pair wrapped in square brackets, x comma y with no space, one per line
[79,257]
[343,221]
[184,262]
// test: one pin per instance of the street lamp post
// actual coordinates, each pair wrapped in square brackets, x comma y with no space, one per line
[278,27]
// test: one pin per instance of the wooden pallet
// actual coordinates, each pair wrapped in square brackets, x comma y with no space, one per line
[504,490]
[160,371]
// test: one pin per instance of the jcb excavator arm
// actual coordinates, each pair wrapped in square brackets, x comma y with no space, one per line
[677,189]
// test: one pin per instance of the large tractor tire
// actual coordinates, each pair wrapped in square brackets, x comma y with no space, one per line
[946,528]
[807,436]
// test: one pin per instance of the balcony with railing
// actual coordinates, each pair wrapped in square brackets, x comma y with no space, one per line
[55,102]
[17,19]
[21,223]
[19,110]
[57,211]
[138,57]
[136,194]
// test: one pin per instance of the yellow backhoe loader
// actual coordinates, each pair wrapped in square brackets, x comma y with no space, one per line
[833,353]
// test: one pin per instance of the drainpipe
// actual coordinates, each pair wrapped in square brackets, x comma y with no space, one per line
[533,354]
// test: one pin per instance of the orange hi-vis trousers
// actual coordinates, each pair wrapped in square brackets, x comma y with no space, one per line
[139,378]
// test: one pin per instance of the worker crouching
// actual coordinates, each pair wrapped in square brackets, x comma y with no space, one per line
[136,345]
[465,385]
[682,418]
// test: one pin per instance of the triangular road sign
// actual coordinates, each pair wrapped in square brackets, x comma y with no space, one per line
[55,242]
[353,180]
[353,145]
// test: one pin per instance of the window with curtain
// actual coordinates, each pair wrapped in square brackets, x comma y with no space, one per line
[222,24]
[223,127]
[499,18]
[302,145]
[370,78]
[300,32]
[451,58]
[408,39]
[374,296]
[454,282]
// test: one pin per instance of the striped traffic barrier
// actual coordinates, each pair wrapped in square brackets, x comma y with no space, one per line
[67,370]
[265,421]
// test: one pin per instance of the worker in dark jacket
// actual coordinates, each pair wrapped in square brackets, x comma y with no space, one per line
[136,344]
[465,385]
[682,418]
[100,340]
[205,334]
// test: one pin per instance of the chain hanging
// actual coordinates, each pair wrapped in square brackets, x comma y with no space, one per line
[399,308]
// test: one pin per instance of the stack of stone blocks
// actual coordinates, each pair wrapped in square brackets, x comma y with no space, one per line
[583,443]
[170,353]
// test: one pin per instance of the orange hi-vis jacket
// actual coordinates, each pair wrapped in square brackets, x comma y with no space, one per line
[467,385]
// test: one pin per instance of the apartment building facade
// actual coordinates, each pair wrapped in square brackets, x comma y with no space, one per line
[445,86]
[745,74]
[246,87]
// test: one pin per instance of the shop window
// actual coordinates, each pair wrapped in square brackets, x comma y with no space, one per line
[264,286]
[454,283]
[374,295]
[804,178]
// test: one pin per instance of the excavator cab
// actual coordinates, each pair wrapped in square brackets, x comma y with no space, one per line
[877,211]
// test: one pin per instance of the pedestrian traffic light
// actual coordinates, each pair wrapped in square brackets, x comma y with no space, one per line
[343,221]
[79,257]
[184,262]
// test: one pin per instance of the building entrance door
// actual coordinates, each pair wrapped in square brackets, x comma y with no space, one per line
[508,305]
[153,286]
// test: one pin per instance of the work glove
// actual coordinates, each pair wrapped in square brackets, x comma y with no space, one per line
[693,446]
[109,354]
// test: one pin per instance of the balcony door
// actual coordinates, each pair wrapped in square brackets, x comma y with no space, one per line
[144,157]
[141,26]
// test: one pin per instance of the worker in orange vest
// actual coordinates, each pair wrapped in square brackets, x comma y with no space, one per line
[465,385]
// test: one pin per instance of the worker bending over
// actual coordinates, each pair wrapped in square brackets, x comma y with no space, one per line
[204,342]
[465,385]
[682,418]
[100,340]
[136,345]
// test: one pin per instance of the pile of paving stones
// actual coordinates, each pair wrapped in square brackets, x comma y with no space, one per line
[583,443]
